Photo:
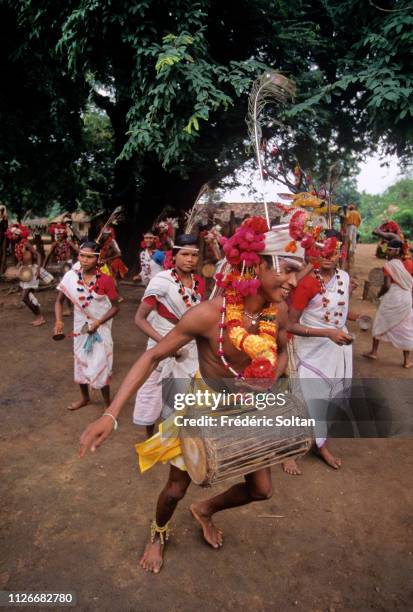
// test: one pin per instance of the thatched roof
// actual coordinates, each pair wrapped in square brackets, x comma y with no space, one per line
[80,216]
[34,222]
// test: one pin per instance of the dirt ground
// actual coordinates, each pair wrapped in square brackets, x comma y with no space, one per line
[326,541]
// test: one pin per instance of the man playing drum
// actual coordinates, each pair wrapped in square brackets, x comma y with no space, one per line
[241,335]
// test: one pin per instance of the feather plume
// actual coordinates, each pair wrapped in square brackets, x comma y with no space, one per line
[270,88]
[193,214]
[115,216]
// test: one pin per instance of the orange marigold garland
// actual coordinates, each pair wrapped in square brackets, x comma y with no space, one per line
[261,347]
[242,250]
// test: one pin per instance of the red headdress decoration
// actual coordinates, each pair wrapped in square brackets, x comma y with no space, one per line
[17,232]
[57,228]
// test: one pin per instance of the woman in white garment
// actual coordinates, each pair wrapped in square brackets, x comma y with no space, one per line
[394,318]
[94,296]
[323,351]
[166,299]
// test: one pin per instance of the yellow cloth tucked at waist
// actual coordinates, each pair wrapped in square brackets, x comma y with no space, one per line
[165,445]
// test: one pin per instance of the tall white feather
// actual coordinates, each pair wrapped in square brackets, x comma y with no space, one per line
[270,88]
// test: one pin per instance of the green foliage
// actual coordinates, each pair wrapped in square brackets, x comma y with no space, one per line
[368,73]
[168,82]
[395,203]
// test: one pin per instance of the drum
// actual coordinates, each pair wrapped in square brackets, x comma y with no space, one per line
[26,274]
[208,270]
[55,268]
[11,273]
[376,277]
[215,453]
[46,278]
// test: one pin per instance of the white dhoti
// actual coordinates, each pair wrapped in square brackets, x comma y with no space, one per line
[156,395]
[352,237]
[327,366]
[90,368]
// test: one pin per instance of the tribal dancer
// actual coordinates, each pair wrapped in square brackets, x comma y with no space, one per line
[27,255]
[62,250]
[92,294]
[241,336]
[148,267]
[318,314]
[111,257]
[394,318]
[166,299]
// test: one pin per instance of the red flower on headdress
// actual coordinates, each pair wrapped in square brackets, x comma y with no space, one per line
[17,231]
[330,246]
[257,224]
[297,222]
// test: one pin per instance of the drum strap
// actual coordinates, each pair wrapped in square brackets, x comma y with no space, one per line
[162,531]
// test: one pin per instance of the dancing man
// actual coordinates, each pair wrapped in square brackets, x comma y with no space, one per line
[111,257]
[61,251]
[26,255]
[148,266]
[242,335]
[92,294]
[166,299]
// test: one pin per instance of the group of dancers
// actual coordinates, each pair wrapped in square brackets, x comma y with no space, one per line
[274,292]
[282,302]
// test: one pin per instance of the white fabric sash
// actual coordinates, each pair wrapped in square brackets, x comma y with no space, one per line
[93,368]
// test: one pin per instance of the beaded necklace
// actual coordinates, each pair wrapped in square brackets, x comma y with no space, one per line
[19,248]
[325,300]
[88,288]
[145,257]
[193,299]
[62,251]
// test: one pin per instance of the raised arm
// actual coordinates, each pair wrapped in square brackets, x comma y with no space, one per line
[189,327]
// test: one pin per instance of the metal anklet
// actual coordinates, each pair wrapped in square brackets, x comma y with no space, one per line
[163,532]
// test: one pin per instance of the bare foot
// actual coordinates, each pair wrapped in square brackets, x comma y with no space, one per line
[369,355]
[39,321]
[152,558]
[78,404]
[326,456]
[408,365]
[290,466]
[212,534]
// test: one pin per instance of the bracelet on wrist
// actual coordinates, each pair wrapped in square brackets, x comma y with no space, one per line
[115,422]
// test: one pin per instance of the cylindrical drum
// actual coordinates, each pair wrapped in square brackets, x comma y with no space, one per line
[215,451]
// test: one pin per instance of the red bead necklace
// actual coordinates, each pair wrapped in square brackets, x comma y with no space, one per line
[188,300]
[326,301]
[88,288]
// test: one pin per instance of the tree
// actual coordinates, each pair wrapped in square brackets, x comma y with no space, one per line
[173,79]
[395,203]
[40,128]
